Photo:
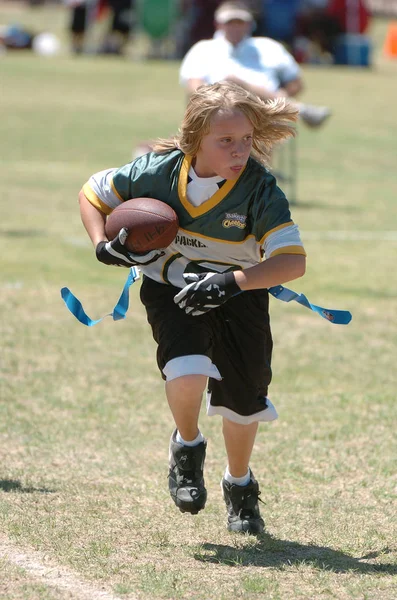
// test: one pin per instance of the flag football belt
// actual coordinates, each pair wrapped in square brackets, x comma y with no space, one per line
[337,317]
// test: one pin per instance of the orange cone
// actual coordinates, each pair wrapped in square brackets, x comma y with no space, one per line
[390,46]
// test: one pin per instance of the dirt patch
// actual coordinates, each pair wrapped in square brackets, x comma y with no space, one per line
[45,571]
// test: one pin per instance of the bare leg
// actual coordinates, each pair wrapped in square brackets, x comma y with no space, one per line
[184,395]
[241,501]
[239,442]
[185,477]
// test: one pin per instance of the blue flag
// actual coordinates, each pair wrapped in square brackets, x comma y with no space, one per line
[337,317]
[119,311]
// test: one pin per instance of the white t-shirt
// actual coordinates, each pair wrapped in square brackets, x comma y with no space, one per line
[256,60]
[201,189]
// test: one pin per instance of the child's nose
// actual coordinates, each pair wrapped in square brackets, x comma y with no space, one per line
[238,150]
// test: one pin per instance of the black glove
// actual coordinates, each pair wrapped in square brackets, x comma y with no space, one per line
[115,253]
[206,291]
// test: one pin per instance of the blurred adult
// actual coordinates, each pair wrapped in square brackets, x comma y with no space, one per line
[259,64]
[199,23]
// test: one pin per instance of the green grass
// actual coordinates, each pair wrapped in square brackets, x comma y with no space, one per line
[84,424]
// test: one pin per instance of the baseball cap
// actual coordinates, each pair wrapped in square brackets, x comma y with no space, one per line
[228,12]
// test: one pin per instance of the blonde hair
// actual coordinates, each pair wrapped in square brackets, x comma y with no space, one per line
[272,120]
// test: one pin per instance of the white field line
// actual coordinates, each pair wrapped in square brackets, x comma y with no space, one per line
[43,569]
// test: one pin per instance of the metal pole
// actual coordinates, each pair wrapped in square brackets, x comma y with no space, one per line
[90,18]
[293,144]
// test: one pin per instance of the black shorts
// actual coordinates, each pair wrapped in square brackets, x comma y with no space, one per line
[236,337]
[79,15]
[121,19]
[121,15]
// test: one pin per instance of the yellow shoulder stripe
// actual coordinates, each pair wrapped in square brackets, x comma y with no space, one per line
[289,250]
[276,229]
[115,191]
[95,200]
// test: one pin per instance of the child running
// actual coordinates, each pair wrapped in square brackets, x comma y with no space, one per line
[206,294]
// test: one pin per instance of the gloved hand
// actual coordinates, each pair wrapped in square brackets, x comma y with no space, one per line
[206,291]
[115,253]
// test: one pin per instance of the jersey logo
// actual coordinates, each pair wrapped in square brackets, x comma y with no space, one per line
[234,220]
[328,315]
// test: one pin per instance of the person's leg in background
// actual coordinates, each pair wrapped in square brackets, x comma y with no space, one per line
[121,26]
[78,27]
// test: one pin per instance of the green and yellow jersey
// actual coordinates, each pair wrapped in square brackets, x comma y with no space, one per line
[245,221]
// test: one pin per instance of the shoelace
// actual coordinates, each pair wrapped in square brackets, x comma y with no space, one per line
[186,478]
[252,497]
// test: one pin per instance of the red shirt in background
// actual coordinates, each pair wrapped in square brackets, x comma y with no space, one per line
[355,22]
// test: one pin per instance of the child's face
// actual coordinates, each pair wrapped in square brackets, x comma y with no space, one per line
[224,151]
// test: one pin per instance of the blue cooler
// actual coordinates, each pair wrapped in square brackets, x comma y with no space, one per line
[352,49]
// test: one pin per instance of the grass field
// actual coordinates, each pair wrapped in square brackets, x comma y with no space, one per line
[84,426]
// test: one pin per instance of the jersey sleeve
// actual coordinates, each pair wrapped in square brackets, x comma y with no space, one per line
[100,192]
[273,227]
[109,188]
[285,240]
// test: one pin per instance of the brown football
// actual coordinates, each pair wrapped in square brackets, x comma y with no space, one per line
[152,224]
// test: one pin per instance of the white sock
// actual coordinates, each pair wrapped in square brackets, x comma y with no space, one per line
[244,480]
[195,442]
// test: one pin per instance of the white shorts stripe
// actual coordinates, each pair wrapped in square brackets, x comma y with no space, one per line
[193,364]
[269,414]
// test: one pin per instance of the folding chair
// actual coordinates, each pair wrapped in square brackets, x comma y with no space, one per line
[157,20]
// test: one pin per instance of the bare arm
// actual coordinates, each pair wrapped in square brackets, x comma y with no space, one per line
[93,220]
[273,271]
[113,252]
[289,90]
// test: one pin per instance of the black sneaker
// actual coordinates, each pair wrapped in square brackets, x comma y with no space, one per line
[242,507]
[185,478]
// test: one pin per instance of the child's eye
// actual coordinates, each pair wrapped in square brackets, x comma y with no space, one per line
[226,140]
[248,138]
